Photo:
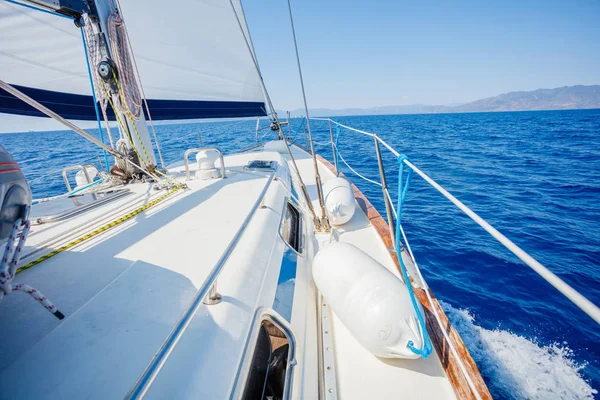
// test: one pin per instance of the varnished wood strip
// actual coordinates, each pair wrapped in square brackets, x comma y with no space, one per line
[449,362]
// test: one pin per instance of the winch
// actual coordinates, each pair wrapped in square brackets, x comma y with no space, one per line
[15,195]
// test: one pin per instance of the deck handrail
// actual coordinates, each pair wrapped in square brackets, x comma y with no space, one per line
[568,291]
[152,370]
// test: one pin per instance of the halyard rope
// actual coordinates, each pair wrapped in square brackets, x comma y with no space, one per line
[131,102]
[162,161]
[123,128]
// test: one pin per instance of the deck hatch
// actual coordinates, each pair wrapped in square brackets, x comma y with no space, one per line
[262,165]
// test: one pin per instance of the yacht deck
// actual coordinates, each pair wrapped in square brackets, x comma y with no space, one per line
[125,290]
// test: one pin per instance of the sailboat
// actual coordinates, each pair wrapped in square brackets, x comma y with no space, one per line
[261,274]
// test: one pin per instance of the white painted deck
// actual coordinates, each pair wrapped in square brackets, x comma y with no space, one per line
[123,291]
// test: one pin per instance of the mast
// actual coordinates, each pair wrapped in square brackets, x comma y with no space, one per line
[133,126]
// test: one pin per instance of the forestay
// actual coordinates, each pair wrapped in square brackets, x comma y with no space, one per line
[191,55]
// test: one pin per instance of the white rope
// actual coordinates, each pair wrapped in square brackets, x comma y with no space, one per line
[110,138]
[8,268]
[461,365]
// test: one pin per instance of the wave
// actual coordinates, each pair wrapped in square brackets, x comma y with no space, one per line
[519,368]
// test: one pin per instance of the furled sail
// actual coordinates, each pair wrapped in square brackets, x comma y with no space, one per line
[192,58]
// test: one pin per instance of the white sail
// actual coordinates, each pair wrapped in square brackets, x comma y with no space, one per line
[42,51]
[186,51]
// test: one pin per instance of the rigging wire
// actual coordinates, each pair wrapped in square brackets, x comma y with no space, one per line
[324,219]
[274,116]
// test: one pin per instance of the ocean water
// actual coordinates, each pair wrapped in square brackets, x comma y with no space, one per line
[535,176]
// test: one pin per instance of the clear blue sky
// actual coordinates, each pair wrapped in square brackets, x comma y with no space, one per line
[374,53]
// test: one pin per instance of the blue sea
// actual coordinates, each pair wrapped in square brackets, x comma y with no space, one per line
[535,176]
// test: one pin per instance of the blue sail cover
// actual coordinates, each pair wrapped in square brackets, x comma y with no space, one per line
[192,64]
[81,107]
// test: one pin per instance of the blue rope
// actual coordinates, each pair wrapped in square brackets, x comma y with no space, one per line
[89,185]
[338,130]
[402,190]
[87,60]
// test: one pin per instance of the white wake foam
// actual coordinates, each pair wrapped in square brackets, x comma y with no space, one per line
[518,368]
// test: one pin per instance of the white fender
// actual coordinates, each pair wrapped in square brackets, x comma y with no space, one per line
[369,300]
[339,200]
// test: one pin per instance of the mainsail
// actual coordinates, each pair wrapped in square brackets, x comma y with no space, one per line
[200,69]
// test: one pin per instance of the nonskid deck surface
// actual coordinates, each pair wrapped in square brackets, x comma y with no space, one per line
[123,291]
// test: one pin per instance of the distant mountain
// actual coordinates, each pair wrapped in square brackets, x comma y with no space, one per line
[563,98]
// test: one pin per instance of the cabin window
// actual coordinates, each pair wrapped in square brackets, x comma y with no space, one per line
[290,230]
[268,371]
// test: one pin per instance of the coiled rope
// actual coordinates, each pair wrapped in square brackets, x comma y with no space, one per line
[8,268]
[131,101]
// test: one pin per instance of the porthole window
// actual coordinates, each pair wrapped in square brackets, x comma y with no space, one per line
[291,230]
